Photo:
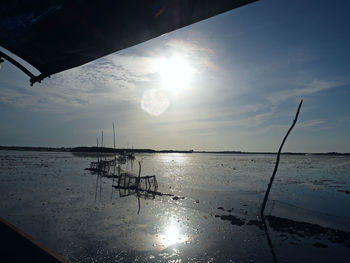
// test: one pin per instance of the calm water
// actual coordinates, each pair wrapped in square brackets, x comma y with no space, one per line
[211,216]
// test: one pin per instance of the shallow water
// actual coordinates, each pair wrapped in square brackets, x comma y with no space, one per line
[210,217]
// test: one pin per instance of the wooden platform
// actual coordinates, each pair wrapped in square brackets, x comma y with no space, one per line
[17,246]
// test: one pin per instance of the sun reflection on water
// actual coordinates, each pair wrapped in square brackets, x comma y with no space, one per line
[179,158]
[171,236]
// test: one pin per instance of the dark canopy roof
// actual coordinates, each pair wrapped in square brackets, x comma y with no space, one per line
[56,35]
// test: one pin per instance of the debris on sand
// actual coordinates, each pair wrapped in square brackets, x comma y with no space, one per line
[304,229]
[233,219]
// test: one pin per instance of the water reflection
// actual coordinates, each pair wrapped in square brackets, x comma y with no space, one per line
[112,231]
[126,182]
[276,230]
[172,235]
[289,229]
[145,187]
[179,158]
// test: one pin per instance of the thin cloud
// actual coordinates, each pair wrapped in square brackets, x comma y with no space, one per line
[313,87]
[312,123]
[200,55]
[212,121]
[190,47]
[109,80]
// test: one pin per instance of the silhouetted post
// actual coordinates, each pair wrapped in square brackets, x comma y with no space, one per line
[139,204]
[98,158]
[102,140]
[137,188]
[115,157]
[277,162]
[113,136]
[139,178]
[102,145]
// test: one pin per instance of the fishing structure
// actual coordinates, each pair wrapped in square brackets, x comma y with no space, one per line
[104,166]
[126,182]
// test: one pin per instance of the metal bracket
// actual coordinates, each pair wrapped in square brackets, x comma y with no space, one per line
[38,79]
[33,78]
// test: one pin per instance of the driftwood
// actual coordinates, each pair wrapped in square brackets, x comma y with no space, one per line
[277,162]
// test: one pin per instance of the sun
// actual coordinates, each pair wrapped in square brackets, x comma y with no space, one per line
[175,72]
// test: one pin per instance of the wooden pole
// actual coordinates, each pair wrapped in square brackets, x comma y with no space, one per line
[277,162]
[139,171]
[98,158]
[102,146]
[137,188]
[113,136]
[102,139]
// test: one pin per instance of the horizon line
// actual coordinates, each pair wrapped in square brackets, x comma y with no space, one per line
[145,150]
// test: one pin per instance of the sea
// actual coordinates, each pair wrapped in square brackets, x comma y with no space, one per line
[194,207]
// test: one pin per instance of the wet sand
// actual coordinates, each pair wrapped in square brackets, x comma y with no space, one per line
[207,212]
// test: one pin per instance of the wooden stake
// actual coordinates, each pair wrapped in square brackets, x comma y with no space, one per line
[102,139]
[113,136]
[98,158]
[277,162]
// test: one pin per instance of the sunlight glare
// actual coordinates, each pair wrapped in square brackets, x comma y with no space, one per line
[172,236]
[175,72]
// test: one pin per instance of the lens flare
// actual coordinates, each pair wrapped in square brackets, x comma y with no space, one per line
[154,102]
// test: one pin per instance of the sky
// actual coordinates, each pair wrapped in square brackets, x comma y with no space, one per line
[229,83]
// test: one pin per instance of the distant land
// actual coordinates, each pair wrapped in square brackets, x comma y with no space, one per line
[123,150]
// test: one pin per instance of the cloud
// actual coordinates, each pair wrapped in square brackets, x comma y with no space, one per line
[110,80]
[200,55]
[245,119]
[306,89]
[311,123]
[189,47]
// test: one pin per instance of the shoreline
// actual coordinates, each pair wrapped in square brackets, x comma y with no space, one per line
[94,149]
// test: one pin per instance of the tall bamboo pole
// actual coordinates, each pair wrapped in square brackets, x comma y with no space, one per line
[277,162]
